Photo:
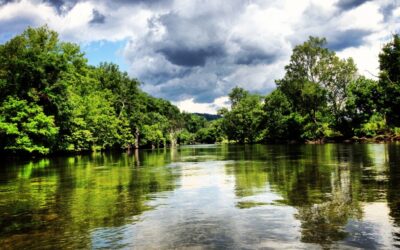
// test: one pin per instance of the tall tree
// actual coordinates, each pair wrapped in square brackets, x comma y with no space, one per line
[242,123]
[236,95]
[389,80]
[315,83]
[337,74]
[34,66]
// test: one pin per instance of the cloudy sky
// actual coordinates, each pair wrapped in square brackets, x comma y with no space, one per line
[192,52]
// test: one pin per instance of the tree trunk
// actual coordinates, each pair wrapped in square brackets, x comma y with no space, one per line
[172,139]
[136,155]
[137,138]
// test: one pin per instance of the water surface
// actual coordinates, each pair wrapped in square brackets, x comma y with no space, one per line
[207,196]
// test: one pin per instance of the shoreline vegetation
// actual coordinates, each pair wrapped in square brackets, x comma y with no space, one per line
[52,101]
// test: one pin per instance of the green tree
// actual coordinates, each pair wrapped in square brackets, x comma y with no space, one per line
[152,135]
[93,107]
[315,83]
[302,83]
[34,66]
[242,123]
[389,80]
[280,122]
[338,75]
[237,94]
[194,122]
[305,66]
[211,133]
[126,100]
[25,128]
[185,137]
[364,101]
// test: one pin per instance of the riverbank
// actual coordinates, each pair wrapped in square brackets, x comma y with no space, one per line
[338,140]
[376,139]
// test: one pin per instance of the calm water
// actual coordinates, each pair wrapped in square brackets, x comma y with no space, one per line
[209,196]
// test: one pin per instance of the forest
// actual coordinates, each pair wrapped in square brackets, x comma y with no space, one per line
[52,100]
[321,98]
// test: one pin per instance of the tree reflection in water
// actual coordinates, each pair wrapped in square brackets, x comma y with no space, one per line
[324,223]
[238,196]
[326,184]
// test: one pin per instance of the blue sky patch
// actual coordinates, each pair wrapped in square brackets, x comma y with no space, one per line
[105,51]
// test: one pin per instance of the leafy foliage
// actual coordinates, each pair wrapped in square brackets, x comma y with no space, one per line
[52,100]
[24,127]
[242,122]
[320,96]
[389,80]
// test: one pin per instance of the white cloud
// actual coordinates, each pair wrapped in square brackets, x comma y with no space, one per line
[367,16]
[74,24]
[211,108]
[194,52]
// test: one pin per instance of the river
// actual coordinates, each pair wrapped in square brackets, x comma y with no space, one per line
[205,196]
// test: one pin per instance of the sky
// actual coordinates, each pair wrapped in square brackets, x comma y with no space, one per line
[193,52]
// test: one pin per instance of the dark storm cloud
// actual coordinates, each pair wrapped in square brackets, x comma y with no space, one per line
[56,3]
[201,90]
[319,24]
[194,53]
[191,57]
[2,2]
[65,5]
[62,5]
[350,4]
[387,9]
[150,4]
[201,45]
[160,77]
[347,39]
[145,2]
[199,31]
[98,18]
[199,83]
[254,55]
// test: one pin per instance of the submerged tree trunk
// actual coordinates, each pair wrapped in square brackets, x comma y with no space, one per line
[137,159]
[172,137]
[137,138]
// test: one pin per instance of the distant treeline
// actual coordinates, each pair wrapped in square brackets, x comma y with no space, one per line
[209,117]
[52,100]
